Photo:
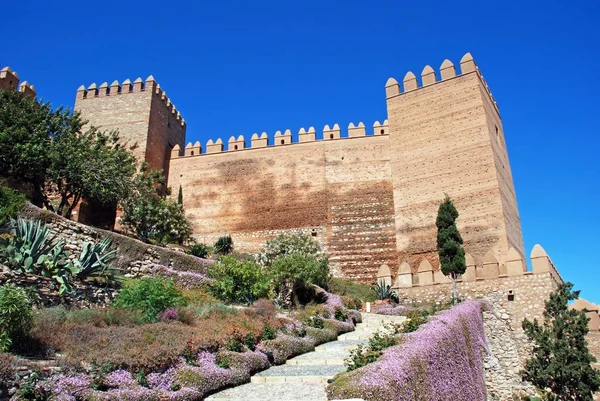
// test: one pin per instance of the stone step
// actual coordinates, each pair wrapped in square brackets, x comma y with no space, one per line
[354,336]
[298,374]
[302,391]
[347,345]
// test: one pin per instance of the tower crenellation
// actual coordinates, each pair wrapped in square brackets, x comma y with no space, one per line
[9,79]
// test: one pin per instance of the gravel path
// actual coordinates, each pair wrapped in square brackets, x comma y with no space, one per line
[304,377]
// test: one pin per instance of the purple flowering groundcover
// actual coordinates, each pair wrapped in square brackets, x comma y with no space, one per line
[442,360]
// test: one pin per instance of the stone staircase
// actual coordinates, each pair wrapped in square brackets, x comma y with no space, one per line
[305,377]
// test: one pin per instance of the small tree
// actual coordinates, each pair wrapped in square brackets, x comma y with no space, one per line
[449,244]
[149,214]
[180,196]
[561,359]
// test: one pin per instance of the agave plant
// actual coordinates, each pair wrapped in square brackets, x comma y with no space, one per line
[32,249]
[384,291]
[30,241]
[95,259]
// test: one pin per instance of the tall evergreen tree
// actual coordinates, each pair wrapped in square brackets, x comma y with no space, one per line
[561,360]
[449,244]
[180,196]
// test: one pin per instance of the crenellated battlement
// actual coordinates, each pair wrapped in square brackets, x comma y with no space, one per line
[281,139]
[127,87]
[9,79]
[429,77]
[489,267]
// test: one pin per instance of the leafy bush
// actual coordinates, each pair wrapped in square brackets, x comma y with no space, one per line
[295,273]
[151,296]
[199,250]
[32,249]
[351,291]
[16,317]
[149,214]
[414,319]
[384,291]
[238,281]
[340,315]
[11,203]
[286,244]
[224,245]
[360,356]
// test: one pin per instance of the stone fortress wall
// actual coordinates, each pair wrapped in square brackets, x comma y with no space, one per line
[368,198]
[141,111]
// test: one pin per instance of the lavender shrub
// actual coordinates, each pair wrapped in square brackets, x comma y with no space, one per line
[185,279]
[442,360]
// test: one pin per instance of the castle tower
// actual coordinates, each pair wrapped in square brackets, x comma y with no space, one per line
[141,112]
[10,80]
[446,137]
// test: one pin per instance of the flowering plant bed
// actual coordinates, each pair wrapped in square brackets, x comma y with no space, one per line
[170,360]
[442,360]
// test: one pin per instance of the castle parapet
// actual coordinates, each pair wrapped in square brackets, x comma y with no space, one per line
[488,269]
[261,141]
[214,147]
[128,87]
[429,77]
[285,137]
[236,144]
[10,80]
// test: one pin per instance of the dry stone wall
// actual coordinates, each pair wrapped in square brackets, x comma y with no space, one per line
[135,258]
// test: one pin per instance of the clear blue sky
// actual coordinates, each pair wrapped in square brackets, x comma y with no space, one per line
[243,67]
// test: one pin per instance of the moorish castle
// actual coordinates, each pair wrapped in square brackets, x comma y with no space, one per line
[369,198]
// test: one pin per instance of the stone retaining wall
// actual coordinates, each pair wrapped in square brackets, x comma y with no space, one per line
[135,258]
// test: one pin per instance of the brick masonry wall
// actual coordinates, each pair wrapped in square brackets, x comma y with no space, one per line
[127,112]
[164,132]
[338,190]
[440,143]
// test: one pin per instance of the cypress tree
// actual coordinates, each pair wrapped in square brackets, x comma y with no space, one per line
[449,244]
[561,360]
[180,196]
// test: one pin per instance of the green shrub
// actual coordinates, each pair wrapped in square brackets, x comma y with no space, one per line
[361,356]
[16,317]
[286,244]
[11,203]
[224,245]
[365,354]
[356,291]
[293,274]
[199,250]
[340,315]
[414,319]
[238,281]
[151,296]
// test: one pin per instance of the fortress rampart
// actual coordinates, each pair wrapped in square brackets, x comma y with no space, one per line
[10,80]
[141,111]
[369,198]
